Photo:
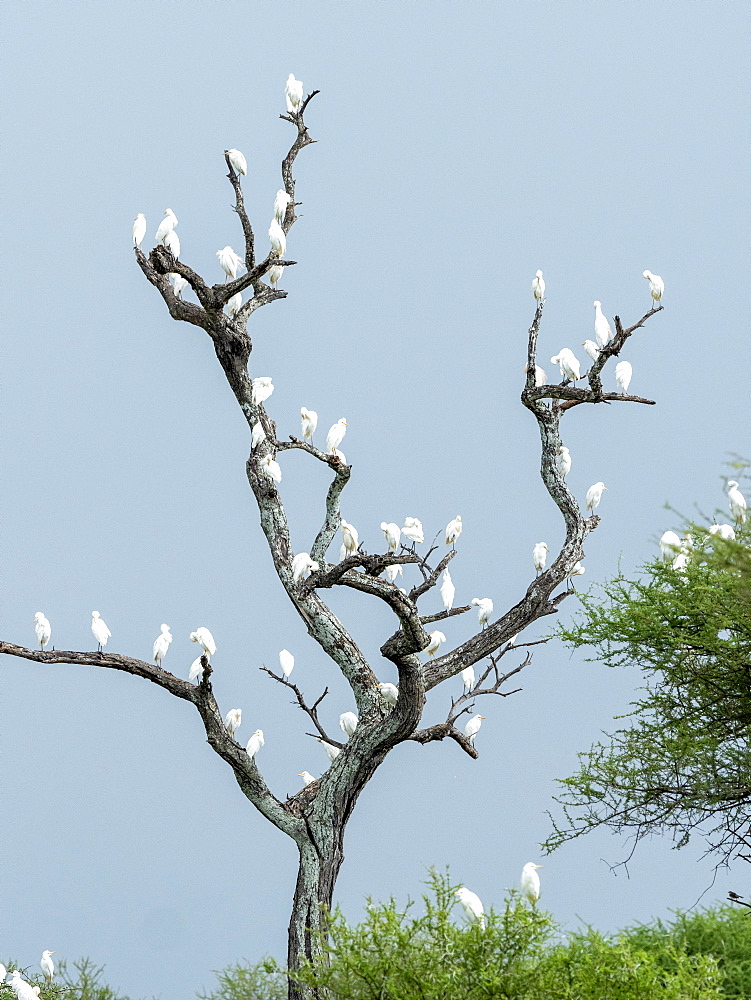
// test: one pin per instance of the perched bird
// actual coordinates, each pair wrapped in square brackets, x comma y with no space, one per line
[447,591]
[258,434]
[389,692]
[594,495]
[681,561]
[23,990]
[302,566]
[737,501]
[43,629]
[139,231]
[172,242]
[393,535]
[568,364]
[603,333]
[472,906]
[167,224]
[262,389]
[332,752]
[349,537]
[538,286]
[3,973]
[539,556]
[335,435]
[286,662]
[412,530]
[623,373]
[234,305]
[592,349]
[468,678]
[275,273]
[280,204]
[232,720]
[563,461]
[484,607]
[392,572]
[339,456]
[100,630]
[47,965]
[453,530]
[229,261]
[161,644]
[196,670]
[255,743]
[348,723]
[473,727]
[278,239]
[540,376]
[670,543]
[309,422]
[436,638]
[656,286]
[205,640]
[307,778]
[530,882]
[724,531]
[237,161]
[179,284]
[271,468]
[576,570]
[293,93]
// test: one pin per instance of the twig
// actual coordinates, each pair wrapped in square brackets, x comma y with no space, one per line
[311,711]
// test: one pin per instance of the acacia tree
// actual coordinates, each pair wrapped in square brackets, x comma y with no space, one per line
[316,816]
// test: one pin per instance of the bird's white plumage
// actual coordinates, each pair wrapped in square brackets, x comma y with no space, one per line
[468,678]
[681,561]
[541,377]
[167,224]
[100,630]
[453,530]
[737,501]
[179,284]
[724,531]
[484,607]
[302,566]
[656,286]
[447,591]
[393,571]
[232,720]
[255,743]
[393,535]
[530,882]
[238,161]
[263,386]
[205,640]
[473,727]
[139,231]
[280,204]
[472,906]
[412,530]
[436,639]
[389,692]
[309,422]
[271,468]
[196,670]
[258,434]
[307,778]
[538,286]
[335,435]
[349,537]
[229,261]
[22,989]
[603,333]
[43,629]
[3,973]
[594,495]
[539,556]
[576,570]
[275,273]
[623,373]
[670,543]
[348,723]
[293,93]
[47,965]
[286,661]
[161,644]
[278,239]
[234,304]
[172,242]
[568,365]
[332,752]
[563,461]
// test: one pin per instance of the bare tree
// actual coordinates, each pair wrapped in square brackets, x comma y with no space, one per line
[316,817]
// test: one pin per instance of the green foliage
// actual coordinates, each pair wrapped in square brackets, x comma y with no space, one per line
[84,982]
[263,981]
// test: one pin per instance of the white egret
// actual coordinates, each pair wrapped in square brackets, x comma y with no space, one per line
[47,965]
[541,377]
[275,273]
[286,662]
[623,373]
[232,720]
[447,591]
[172,242]
[234,305]
[100,630]
[293,94]
[139,231]
[332,752]
[179,284]
[594,495]
[484,607]
[23,990]
[453,530]
[3,973]
[389,692]
[472,906]
[724,531]
[393,571]
[656,286]
[161,644]
[302,566]
[473,727]
[592,349]
[670,543]
[603,333]
[255,743]
[237,160]
[513,639]
[568,364]
[468,678]
[196,670]
[258,434]
[539,556]
[167,224]
[348,723]
[576,570]
[307,778]
[205,640]
[737,501]
[263,386]
[42,628]
[393,535]
[681,561]
[538,286]
[278,239]
[530,882]
[563,461]
[280,204]
[436,638]
[309,422]
[413,530]
[335,435]
[349,537]
[339,456]
[229,261]
[271,468]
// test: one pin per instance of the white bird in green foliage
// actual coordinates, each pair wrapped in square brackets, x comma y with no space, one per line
[530,882]
[472,906]
[737,501]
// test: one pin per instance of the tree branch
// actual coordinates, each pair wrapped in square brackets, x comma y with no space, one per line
[310,711]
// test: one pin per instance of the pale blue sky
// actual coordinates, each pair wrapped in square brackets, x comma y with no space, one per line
[460,147]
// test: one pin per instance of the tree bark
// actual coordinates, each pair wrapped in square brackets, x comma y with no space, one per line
[314,892]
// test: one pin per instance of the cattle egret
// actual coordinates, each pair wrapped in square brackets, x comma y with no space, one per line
[262,389]
[392,572]
[349,537]
[681,561]
[603,333]
[447,591]
[307,778]
[42,628]
[237,160]
[139,231]
[656,286]
[339,456]
[167,224]
[623,373]
[161,644]
[472,906]
[594,495]
[576,570]
[568,364]
[348,723]
[205,640]
[484,607]
[232,720]
[468,677]
[100,630]
[530,882]
[196,670]
[473,727]
[302,566]
[389,692]
[436,638]
[335,435]
[592,349]
[737,501]
[172,242]
[332,752]
[22,989]
[453,530]
[234,305]
[724,531]
[179,284]
[47,965]
[275,273]
[258,434]
[271,468]
[563,461]
[393,535]
[293,93]
[539,556]
[670,543]
[540,377]
[413,530]
[538,286]
[513,639]
[278,239]
[286,662]
[309,421]
[228,261]
[280,205]
[255,743]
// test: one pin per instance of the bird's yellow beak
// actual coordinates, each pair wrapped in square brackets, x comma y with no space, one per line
[604,487]
[539,866]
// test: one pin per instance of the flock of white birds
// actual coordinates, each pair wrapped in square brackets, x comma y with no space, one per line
[472,904]
[22,989]
[677,551]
